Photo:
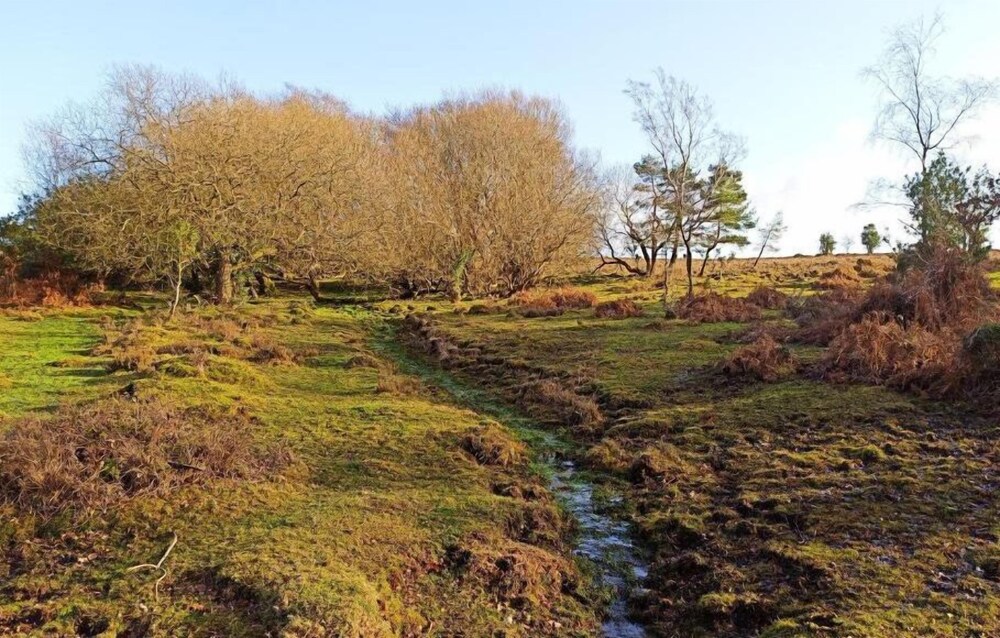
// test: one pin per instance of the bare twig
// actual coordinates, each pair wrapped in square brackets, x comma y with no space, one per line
[158,567]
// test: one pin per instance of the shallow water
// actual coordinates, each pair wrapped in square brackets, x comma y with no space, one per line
[603,540]
[607,543]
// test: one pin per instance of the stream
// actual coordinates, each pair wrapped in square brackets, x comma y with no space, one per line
[606,542]
[602,539]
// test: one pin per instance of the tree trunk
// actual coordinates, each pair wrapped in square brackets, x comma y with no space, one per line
[177,292]
[223,279]
[667,272]
[313,287]
[704,262]
[689,262]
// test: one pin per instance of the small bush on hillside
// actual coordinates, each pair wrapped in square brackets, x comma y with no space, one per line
[49,289]
[768,298]
[491,445]
[981,347]
[362,360]
[608,455]
[821,317]
[712,307]
[551,303]
[659,463]
[877,349]
[533,312]
[483,309]
[516,574]
[764,360]
[918,330]
[392,383]
[840,277]
[91,457]
[870,268]
[132,358]
[946,291]
[618,309]
[564,298]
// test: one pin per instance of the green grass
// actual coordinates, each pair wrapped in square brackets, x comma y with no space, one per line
[353,540]
[783,509]
[809,506]
[43,359]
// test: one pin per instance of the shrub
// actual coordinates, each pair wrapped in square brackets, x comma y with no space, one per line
[821,317]
[840,277]
[658,463]
[767,297]
[982,346]
[517,574]
[868,267]
[608,455]
[618,309]
[362,360]
[53,288]
[946,291]
[765,360]
[712,307]
[551,303]
[482,309]
[492,445]
[908,332]
[88,458]
[880,350]
[133,358]
[533,312]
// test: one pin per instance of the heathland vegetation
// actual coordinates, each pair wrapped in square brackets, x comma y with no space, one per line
[269,366]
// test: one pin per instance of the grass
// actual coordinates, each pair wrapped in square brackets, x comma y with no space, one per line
[790,508]
[351,540]
[43,359]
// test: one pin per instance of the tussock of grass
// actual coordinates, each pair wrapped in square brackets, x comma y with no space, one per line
[490,445]
[618,309]
[549,303]
[712,307]
[768,298]
[763,360]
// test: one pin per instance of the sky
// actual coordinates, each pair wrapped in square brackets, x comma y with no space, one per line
[783,74]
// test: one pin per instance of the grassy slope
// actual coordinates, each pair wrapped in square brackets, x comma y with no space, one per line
[790,508]
[351,541]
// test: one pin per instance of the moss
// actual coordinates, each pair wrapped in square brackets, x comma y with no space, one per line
[878,480]
[351,538]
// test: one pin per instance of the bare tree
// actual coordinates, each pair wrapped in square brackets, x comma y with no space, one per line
[161,174]
[847,241]
[493,195]
[679,125]
[919,110]
[635,225]
[769,235]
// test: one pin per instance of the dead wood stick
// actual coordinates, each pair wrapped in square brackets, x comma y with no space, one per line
[158,566]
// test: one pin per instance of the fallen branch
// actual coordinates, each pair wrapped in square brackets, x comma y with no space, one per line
[158,567]
[177,465]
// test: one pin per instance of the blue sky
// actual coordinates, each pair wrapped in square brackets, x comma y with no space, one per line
[783,74]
